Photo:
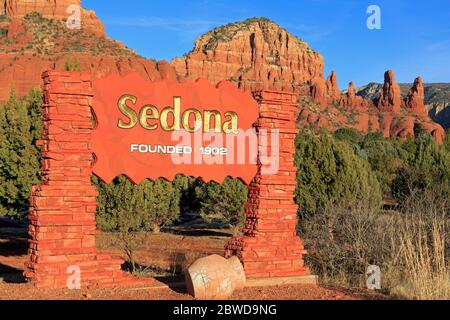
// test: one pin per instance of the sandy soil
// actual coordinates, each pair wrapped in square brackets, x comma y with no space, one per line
[301,292]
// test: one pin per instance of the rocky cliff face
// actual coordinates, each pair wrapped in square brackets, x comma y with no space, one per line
[437,101]
[48,8]
[440,113]
[51,9]
[256,54]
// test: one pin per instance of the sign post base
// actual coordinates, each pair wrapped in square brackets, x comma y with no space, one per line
[62,250]
[270,246]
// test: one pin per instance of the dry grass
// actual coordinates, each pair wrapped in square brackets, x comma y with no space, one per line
[422,252]
[410,246]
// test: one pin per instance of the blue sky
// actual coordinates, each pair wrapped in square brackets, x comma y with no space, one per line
[414,38]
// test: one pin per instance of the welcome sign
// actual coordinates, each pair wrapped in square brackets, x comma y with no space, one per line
[161,129]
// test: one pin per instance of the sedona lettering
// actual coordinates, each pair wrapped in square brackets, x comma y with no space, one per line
[150,118]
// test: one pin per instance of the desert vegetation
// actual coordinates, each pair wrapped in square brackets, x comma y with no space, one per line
[364,200]
[390,209]
[409,245]
[20,126]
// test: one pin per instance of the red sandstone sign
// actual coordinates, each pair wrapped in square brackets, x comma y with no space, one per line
[130,112]
[161,129]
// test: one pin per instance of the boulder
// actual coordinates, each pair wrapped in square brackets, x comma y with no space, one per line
[215,278]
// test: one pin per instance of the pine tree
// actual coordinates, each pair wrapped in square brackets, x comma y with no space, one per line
[186,189]
[223,203]
[126,207]
[161,203]
[427,168]
[133,211]
[329,172]
[20,124]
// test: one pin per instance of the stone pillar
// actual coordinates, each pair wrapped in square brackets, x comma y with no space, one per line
[270,246]
[62,208]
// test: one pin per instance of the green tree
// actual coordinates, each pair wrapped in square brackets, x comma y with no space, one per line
[427,168]
[447,141]
[20,126]
[329,172]
[121,210]
[161,203]
[349,135]
[126,207]
[186,186]
[133,211]
[223,203]
[385,157]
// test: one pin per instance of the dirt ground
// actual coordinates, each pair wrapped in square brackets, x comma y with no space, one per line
[300,292]
[163,257]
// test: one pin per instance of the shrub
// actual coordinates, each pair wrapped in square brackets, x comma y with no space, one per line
[223,203]
[329,171]
[427,167]
[134,210]
[161,203]
[408,246]
[385,157]
[186,187]
[343,240]
[124,206]
[349,135]
[120,209]
[20,126]
[447,141]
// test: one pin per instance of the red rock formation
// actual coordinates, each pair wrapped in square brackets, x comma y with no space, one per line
[325,92]
[351,93]
[333,91]
[166,71]
[319,91]
[434,129]
[15,28]
[415,99]
[414,113]
[23,74]
[256,54]
[353,101]
[48,8]
[52,9]
[403,128]
[350,97]
[91,23]
[391,97]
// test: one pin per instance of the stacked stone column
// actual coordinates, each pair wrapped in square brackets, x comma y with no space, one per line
[62,208]
[270,246]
